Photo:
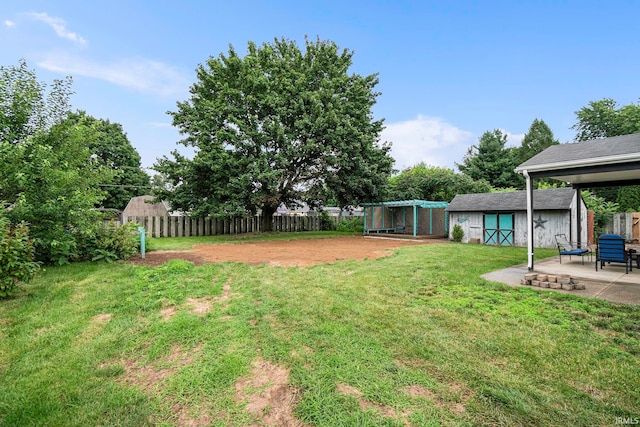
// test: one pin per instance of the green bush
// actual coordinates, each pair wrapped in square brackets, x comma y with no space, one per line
[113,242]
[458,233]
[326,222]
[16,256]
[352,224]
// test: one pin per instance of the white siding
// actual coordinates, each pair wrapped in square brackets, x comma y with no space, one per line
[557,222]
[471,223]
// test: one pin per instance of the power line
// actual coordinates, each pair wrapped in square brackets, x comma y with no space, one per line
[124,186]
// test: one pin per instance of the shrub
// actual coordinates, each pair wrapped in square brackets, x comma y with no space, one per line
[113,242]
[16,256]
[326,222]
[458,233]
[352,224]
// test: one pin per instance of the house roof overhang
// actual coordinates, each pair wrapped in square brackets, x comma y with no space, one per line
[605,162]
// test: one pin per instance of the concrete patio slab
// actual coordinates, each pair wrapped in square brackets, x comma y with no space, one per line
[610,283]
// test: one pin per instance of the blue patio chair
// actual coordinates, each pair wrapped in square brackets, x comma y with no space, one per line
[565,247]
[611,248]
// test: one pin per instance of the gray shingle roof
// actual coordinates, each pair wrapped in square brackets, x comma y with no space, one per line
[597,148]
[552,199]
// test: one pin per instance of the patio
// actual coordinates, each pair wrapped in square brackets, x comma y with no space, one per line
[610,283]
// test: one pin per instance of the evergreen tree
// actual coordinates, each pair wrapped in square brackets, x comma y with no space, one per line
[491,161]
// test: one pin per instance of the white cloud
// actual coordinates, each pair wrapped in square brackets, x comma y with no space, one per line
[427,139]
[513,139]
[9,24]
[140,75]
[59,26]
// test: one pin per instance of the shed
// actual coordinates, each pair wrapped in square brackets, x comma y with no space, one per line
[416,217]
[143,206]
[501,218]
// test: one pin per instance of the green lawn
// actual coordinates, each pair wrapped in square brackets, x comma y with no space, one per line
[417,338]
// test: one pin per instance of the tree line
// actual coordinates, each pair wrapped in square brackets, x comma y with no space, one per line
[277,125]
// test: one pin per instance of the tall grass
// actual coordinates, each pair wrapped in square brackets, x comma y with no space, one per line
[420,335]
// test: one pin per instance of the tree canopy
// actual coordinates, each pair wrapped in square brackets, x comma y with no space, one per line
[26,107]
[491,161]
[109,146]
[278,125]
[424,182]
[47,178]
[537,139]
[604,118]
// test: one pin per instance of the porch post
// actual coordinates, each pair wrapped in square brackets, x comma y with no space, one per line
[578,204]
[365,219]
[415,220]
[529,220]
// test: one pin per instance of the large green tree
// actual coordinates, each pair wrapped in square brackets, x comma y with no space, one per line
[27,106]
[47,178]
[604,119]
[491,161]
[278,125]
[433,183]
[110,147]
[537,139]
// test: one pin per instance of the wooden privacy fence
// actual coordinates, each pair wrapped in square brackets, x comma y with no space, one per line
[625,224]
[184,226]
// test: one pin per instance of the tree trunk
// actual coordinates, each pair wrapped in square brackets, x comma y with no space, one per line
[267,218]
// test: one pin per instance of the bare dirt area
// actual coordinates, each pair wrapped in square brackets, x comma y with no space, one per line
[287,253]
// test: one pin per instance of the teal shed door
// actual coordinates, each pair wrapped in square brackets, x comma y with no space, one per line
[498,229]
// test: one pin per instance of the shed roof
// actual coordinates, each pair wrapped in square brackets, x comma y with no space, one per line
[403,203]
[552,199]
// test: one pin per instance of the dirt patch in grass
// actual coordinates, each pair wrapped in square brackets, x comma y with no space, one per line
[150,377]
[417,391]
[268,395]
[168,312]
[147,377]
[199,306]
[366,405]
[102,317]
[286,253]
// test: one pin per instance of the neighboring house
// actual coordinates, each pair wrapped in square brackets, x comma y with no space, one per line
[344,213]
[304,210]
[142,206]
[501,218]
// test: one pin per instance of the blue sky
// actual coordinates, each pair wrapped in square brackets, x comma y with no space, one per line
[448,71]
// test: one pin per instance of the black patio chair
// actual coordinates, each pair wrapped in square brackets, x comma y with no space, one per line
[565,247]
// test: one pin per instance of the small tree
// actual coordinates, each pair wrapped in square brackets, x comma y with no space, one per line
[602,210]
[458,233]
[16,256]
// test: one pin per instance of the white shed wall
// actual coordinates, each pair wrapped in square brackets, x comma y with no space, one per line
[557,222]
